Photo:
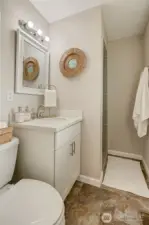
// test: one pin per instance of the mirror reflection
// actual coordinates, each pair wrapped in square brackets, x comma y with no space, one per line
[34,66]
[72,63]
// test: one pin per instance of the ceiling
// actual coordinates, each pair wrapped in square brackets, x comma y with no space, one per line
[54,10]
[123,18]
[126,19]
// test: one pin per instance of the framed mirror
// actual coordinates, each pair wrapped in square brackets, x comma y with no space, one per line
[32,65]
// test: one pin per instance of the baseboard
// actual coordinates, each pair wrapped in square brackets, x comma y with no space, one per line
[91,181]
[125,155]
[145,167]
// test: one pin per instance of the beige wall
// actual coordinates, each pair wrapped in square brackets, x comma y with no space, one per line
[84,92]
[12,11]
[146,63]
[146,46]
[125,62]
[0,59]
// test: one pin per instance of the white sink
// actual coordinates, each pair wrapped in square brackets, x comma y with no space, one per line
[56,119]
[48,121]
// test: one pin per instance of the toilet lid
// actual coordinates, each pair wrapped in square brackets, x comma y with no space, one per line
[30,202]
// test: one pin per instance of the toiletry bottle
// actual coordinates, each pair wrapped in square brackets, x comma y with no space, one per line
[33,114]
[19,116]
[27,114]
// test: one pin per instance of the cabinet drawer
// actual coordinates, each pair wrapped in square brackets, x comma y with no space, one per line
[67,135]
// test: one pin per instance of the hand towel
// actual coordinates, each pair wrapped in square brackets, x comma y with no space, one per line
[50,98]
[141,107]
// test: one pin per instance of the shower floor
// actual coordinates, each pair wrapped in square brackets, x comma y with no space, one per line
[126,175]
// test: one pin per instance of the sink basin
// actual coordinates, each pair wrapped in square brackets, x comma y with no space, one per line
[59,119]
[49,121]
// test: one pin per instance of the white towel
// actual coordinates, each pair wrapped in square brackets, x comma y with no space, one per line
[50,98]
[141,108]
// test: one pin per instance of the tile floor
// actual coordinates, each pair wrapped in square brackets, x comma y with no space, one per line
[127,175]
[86,204]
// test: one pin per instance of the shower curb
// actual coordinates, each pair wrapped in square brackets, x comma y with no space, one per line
[125,155]
[145,167]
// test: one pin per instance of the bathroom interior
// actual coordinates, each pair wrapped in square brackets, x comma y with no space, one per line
[74,110]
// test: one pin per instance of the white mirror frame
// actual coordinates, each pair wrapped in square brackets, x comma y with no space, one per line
[22,37]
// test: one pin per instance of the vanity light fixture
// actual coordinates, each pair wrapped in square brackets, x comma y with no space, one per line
[36,33]
[47,38]
[30,24]
[39,32]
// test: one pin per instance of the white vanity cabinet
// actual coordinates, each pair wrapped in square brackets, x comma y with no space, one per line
[67,160]
[50,155]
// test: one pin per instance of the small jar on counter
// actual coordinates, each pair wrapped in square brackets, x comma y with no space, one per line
[27,114]
[19,116]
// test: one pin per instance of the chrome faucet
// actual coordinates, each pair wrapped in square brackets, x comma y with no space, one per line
[40,111]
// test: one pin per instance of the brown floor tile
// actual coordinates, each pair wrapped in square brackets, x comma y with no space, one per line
[86,205]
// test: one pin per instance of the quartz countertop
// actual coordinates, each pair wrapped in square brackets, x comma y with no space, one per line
[54,124]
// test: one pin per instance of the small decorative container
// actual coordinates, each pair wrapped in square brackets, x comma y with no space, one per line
[6,135]
[19,116]
[27,114]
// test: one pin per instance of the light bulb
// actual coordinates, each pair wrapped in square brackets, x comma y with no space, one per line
[47,38]
[39,32]
[30,24]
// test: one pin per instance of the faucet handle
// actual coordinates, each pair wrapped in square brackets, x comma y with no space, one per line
[41,115]
[40,111]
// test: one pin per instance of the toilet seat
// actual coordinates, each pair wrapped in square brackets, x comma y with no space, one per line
[31,202]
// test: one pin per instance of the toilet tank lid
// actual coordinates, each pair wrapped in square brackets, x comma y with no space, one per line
[13,142]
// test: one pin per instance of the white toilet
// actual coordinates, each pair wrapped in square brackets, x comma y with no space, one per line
[29,202]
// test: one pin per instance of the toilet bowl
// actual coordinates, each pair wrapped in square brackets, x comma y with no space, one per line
[29,202]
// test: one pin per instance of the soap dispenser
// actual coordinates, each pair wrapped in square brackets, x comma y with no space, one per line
[27,114]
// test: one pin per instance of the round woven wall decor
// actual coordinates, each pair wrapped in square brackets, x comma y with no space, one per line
[72,62]
[31,69]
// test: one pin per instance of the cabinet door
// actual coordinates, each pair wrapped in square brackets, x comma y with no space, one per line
[63,170]
[75,160]
[67,166]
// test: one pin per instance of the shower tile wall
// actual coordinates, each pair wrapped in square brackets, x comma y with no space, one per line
[125,63]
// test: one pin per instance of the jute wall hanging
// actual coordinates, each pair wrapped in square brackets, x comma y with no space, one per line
[72,62]
[31,69]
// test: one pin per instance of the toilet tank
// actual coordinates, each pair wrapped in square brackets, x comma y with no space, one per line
[8,156]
